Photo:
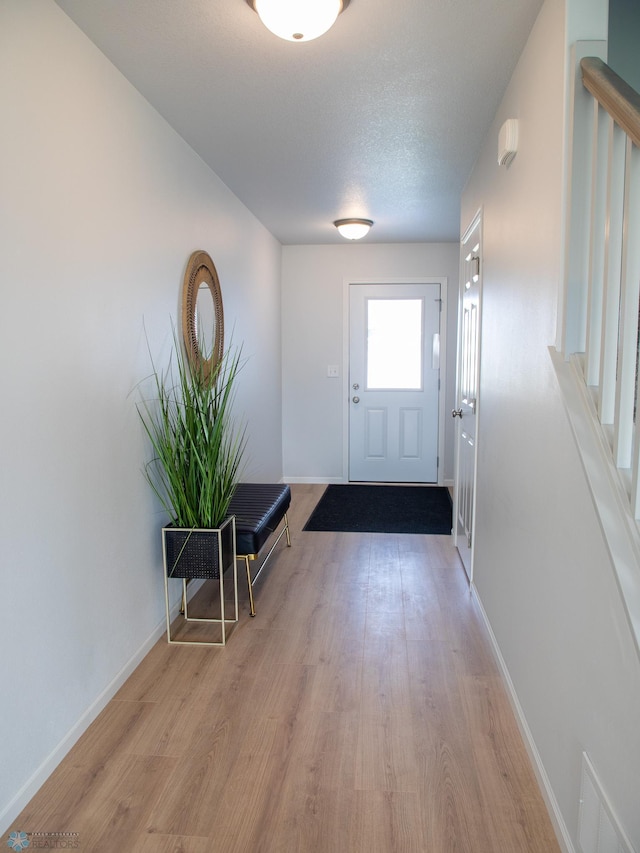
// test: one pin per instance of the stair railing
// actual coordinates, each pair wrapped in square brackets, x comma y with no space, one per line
[601,312]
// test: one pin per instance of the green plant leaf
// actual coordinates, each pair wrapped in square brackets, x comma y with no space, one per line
[197,446]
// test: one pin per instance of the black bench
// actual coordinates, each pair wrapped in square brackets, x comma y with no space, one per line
[259,508]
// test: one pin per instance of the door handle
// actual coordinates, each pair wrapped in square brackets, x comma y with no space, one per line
[356,399]
[456,413]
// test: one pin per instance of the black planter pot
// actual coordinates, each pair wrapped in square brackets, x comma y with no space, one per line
[198,553]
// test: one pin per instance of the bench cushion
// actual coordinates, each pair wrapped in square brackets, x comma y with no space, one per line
[258,508]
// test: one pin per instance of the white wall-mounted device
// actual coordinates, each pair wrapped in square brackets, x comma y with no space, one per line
[508,141]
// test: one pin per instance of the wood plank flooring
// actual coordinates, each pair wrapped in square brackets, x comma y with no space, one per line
[361,710]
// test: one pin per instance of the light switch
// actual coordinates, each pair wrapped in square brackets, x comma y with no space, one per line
[333,371]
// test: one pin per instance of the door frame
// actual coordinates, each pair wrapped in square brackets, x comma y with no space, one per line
[346,282]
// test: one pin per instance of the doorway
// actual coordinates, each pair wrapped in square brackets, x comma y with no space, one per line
[394,381]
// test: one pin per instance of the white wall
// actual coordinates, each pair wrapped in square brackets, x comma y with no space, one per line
[313,287]
[542,571]
[624,36]
[100,208]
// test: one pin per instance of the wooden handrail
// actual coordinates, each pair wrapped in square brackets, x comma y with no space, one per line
[618,98]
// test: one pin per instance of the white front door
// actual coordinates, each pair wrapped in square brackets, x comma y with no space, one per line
[467,383]
[394,369]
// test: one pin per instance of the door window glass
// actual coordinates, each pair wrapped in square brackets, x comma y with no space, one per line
[394,344]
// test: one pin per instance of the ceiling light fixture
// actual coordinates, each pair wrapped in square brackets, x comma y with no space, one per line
[353,229]
[294,20]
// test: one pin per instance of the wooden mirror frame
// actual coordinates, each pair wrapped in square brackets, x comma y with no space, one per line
[201,269]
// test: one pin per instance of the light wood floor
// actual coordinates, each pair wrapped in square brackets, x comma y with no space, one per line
[361,710]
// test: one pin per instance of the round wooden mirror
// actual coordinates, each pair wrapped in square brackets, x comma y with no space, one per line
[202,315]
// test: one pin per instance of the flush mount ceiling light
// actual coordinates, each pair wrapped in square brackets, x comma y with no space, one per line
[353,229]
[294,20]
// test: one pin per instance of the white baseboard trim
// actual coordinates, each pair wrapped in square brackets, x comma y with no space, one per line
[40,776]
[559,825]
[312,480]
[338,480]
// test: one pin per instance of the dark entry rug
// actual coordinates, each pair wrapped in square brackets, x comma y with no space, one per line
[382,509]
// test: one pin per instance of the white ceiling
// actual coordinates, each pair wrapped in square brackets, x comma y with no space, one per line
[381,117]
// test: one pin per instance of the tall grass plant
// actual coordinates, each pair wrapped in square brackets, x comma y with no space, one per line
[198,447]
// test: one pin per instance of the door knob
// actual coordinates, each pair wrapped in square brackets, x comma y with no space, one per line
[456,413]
[356,399]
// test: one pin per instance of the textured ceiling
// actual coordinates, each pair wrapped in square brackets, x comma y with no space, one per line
[381,117]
